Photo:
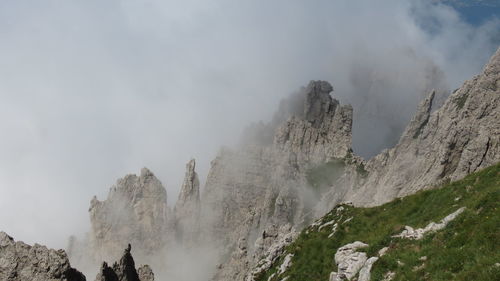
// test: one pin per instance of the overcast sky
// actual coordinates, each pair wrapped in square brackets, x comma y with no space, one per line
[93,90]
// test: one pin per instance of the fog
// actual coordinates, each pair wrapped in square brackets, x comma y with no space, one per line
[93,90]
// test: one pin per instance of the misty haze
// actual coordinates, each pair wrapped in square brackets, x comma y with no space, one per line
[245,140]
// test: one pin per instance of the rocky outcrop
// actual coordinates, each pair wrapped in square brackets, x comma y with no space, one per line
[134,212]
[461,137]
[349,261]
[125,270]
[22,262]
[187,207]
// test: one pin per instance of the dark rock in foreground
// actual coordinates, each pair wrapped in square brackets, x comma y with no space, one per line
[22,262]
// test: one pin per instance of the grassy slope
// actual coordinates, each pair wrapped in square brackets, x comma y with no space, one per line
[467,249]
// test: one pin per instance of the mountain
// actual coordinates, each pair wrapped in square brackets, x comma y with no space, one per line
[289,172]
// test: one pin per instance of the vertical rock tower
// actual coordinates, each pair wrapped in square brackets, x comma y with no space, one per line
[135,212]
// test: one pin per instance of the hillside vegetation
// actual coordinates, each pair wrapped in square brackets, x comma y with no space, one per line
[468,248]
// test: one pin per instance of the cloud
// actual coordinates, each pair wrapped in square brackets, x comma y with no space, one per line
[93,90]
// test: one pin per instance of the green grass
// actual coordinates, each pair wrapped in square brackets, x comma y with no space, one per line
[467,249]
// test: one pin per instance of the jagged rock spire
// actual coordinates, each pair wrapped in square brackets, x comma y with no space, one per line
[190,190]
[187,207]
[124,270]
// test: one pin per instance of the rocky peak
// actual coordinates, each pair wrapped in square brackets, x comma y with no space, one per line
[22,262]
[125,270]
[135,211]
[323,132]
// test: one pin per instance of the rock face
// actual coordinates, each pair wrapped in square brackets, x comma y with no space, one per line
[135,212]
[22,262]
[271,253]
[125,270]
